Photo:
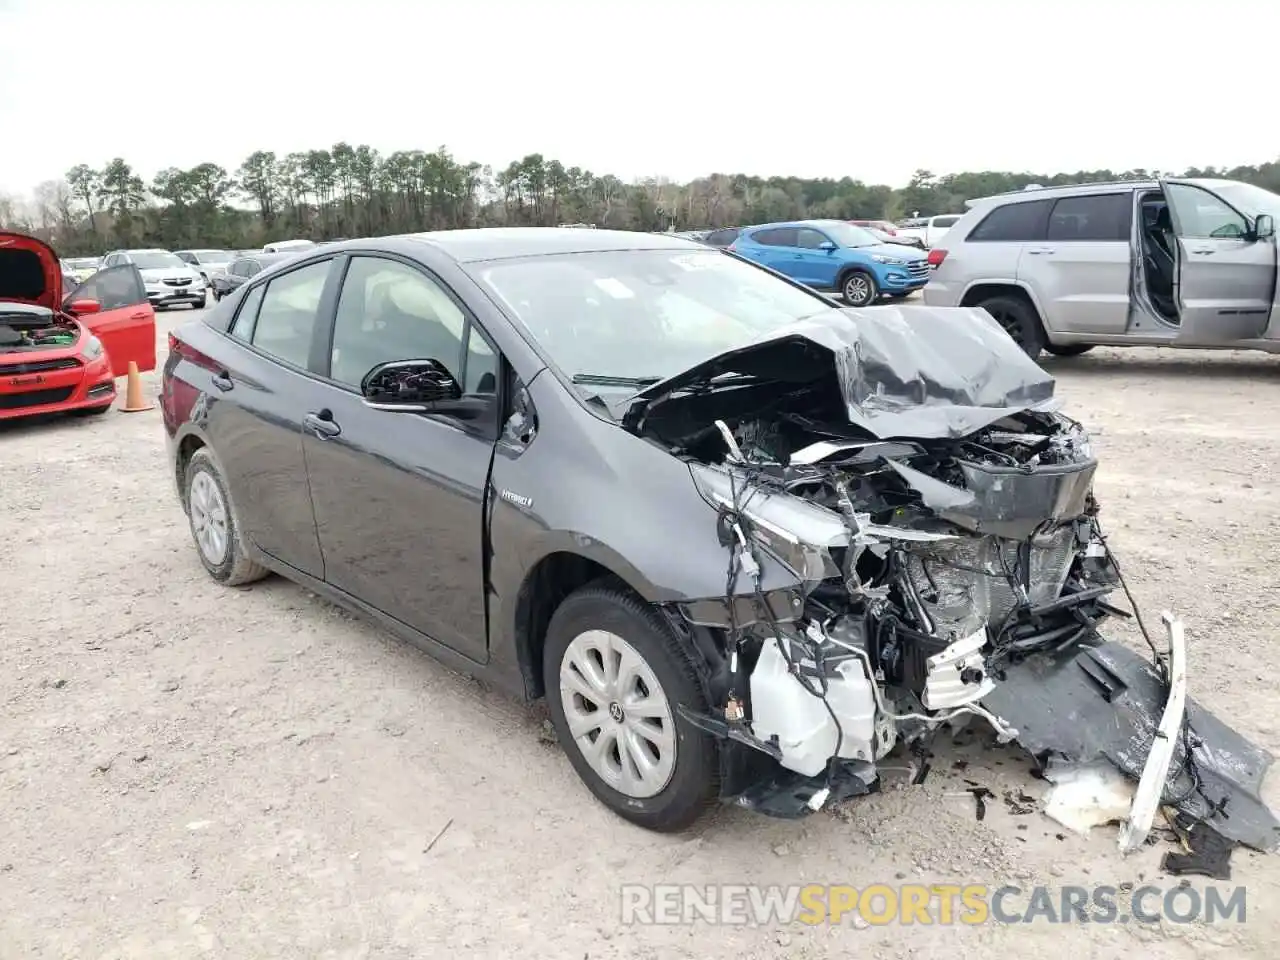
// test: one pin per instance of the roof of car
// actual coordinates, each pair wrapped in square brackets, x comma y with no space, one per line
[501,243]
[817,222]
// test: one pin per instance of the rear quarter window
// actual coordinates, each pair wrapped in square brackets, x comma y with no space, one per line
[1013,223]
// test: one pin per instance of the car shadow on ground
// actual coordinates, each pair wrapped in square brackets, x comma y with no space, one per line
[52,423]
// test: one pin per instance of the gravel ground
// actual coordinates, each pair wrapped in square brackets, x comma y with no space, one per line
[188,770]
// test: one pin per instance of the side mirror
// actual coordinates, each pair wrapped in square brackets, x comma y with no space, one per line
[826,245]
[419,386]
[1265,226]
[82,307]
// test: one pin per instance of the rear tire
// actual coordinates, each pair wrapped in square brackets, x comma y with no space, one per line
[214,529]
[859,288]
[1069,349]
[1019,320]
[616,667]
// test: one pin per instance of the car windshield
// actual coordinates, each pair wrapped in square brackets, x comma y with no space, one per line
[213,256]
[847,235]
[641,315]
[1249,199]
[155,260]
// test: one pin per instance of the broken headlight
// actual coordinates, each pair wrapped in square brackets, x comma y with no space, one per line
[798,533]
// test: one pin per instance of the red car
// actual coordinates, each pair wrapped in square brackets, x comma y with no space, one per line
[62,355]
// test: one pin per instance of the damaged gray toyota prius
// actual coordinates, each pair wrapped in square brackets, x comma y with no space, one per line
[746,543]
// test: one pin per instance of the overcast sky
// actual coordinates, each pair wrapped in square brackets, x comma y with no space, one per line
[872,89]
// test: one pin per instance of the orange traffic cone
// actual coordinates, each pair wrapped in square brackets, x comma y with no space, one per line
[133,402]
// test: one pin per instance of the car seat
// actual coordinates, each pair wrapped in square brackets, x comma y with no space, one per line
[1161,261]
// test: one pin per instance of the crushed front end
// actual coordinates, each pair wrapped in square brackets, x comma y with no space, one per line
[949,559]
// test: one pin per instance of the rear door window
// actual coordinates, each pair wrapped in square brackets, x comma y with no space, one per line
[944,223]
[287,315]
[777,237]
[1100,217]
[1023,222]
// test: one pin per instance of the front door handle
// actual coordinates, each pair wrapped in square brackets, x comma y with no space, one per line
[322,424]
[223,381]
[140,315]
[1205,252]
[1041,250]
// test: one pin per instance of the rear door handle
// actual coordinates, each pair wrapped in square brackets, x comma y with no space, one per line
[322,424]
[140,315]
[223,381]
[1205,252]
[1041,250]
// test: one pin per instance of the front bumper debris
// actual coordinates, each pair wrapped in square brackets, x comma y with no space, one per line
[1106,702]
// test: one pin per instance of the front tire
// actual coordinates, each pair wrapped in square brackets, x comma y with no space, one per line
[213,524]
[859,288]
[1019,320]
[204,302]
[614,674]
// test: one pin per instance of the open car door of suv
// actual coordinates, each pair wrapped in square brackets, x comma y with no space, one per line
[1226,275]
[124,321]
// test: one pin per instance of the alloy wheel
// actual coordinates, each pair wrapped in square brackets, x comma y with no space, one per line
[618,714]
[857,290]
[208,518]
[1008,322]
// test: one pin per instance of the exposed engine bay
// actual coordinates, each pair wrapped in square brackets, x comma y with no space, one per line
[24,328]
[938,515]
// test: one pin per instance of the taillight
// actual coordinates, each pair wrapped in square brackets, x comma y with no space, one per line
[936,256]
[188,352]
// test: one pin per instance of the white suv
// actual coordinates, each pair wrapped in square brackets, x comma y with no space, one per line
[1178,262]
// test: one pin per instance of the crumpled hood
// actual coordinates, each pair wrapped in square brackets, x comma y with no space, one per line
[904,371]
[30,272]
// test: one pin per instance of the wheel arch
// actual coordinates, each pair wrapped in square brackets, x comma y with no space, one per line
[981,290]
[185,447]
[546,585]
[856,267]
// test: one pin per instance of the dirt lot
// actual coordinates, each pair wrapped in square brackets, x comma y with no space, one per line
[189,771]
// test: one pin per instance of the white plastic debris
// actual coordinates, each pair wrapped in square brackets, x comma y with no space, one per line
[1151,784]
[1088,795]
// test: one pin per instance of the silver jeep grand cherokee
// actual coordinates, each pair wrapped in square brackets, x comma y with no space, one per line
[1175,262]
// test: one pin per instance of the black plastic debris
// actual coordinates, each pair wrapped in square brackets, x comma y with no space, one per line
[980,797]
[1105,702]
[1020,804]
[1210,854]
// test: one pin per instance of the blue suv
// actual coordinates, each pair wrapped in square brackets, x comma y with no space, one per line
[834,255]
